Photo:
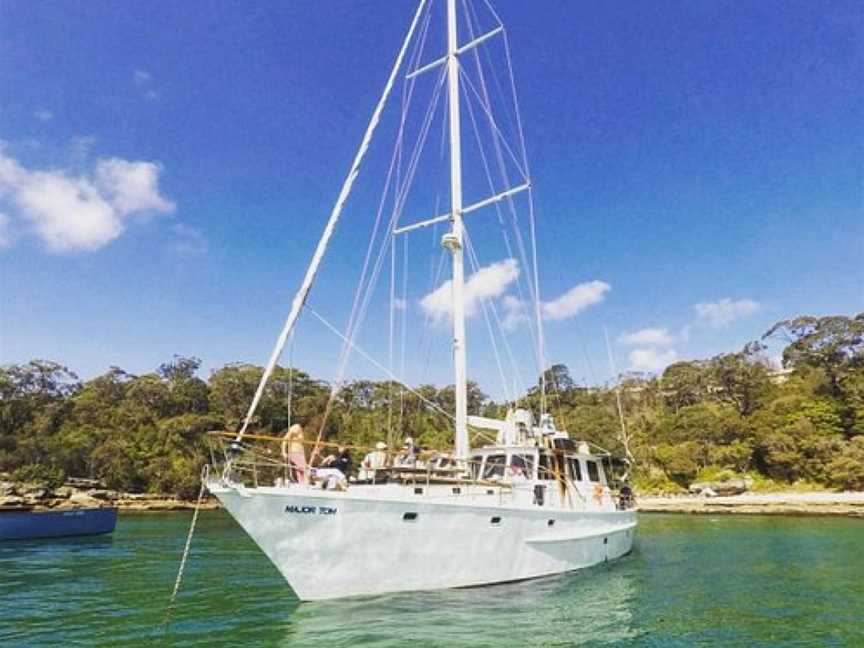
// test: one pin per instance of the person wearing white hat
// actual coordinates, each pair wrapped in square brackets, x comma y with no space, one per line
[408,455]
[373,461]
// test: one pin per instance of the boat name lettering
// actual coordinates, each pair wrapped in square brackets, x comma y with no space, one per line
[310,510]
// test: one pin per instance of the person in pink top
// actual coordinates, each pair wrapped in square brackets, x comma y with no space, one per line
[294,453]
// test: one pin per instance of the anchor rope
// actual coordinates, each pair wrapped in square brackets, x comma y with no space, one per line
[170,609]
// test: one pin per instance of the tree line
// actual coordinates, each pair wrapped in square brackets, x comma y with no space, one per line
[732,414]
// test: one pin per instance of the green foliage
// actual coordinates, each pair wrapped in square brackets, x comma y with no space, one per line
[655,481]
[701,420]
[50,476]
[846,470]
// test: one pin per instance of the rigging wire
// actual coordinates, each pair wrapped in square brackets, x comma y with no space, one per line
[485,104]
[498,209]
[531,215]
[501,329]
[472,258]
[403,329]
[372,360]
[361,304]
[625,439]
[524,169]
[312,270]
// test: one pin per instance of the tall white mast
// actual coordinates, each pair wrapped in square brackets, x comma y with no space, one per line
[453,239]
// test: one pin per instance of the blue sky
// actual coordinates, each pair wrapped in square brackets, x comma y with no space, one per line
[167,168]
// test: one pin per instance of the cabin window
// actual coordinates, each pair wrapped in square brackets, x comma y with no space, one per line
[521,466]
[476,460]
[574,468]
[546,471]
[593,471]
[494,467]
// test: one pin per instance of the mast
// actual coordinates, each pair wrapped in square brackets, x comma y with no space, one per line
[453,239]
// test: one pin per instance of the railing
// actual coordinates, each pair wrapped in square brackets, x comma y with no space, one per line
[255,463]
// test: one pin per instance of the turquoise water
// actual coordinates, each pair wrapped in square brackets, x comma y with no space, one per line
[690,581]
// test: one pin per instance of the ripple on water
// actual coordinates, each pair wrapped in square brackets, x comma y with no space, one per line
[732,581]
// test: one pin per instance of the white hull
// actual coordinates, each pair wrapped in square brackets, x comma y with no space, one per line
[330,544]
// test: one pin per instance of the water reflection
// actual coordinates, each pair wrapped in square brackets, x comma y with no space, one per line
[728,581]
[570,609]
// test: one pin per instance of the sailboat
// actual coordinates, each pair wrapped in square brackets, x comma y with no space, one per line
[533,503]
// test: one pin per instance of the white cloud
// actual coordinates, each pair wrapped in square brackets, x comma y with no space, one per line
[651,360]
[514,313]
[492,281]
[5,236]
[725,311]
[648,337]
[575,300]
[141,77]
[132,186]
[488,282]
[144,81]
[43,114]
[79,212]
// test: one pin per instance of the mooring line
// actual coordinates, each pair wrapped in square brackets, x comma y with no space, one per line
[170,609]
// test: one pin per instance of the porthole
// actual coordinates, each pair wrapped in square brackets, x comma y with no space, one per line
[457,490]
[495,521]
[550,523]
[409,517]
[418,491]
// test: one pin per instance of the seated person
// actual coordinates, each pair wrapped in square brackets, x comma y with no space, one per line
[340,461]
[373,461]
[516,471]
[330,478]
[408,455]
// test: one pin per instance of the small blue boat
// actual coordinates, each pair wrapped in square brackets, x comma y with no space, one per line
[26,524]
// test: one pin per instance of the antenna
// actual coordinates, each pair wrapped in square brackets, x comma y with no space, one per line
[625,439]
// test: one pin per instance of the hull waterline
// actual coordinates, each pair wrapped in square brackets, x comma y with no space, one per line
[331,545]
[33,525]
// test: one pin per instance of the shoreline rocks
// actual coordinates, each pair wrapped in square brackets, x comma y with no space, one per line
[846,504]
[849,504]
[40,497]
[722,488]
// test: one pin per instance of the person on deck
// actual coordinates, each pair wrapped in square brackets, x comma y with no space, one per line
[294,454]
[408,455]
[341,461]
[373,461]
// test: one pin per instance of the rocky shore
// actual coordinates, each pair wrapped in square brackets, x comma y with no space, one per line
[40,497]
[814,503]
